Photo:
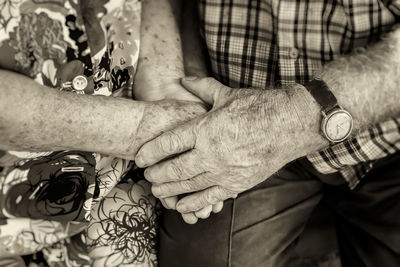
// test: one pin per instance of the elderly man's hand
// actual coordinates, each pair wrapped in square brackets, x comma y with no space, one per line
[246,137]
[150,88]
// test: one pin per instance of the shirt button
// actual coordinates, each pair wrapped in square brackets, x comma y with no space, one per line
[79,83]
[293,53]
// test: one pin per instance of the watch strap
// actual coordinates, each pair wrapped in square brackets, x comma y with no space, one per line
[322,94]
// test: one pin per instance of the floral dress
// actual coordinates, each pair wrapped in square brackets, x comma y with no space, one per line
[73,208]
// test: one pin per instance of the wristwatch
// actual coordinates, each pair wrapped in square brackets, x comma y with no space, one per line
[336,123]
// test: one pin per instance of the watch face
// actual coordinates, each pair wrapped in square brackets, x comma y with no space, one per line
[338,125]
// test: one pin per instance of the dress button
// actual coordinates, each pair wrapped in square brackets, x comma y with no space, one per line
[79,83]
[293,53]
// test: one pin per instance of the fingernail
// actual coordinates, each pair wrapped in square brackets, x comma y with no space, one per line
[181,207]
[189,218]
[139,161]
[156,191]
[170,202]
[165,204]
[146,174]
[189,78]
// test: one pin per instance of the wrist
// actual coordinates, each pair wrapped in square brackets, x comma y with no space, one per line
[161,116]
[309,115]
[150,87]
[298,116]
[118,121]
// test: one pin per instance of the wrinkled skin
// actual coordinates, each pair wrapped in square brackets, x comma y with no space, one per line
[246,137]
[168,114]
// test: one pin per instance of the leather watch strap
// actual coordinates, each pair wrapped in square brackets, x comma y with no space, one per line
[322,94]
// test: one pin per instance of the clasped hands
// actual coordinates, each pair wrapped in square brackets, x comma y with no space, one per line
[244,138]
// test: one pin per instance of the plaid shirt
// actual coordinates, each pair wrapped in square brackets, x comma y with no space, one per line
[268,44]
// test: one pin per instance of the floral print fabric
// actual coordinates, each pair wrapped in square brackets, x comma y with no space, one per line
[74,208]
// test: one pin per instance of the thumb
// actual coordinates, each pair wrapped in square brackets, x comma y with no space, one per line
[207,89]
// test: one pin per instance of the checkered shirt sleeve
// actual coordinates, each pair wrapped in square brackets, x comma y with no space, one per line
[268,44]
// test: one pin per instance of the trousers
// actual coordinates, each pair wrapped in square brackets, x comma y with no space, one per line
[297,217]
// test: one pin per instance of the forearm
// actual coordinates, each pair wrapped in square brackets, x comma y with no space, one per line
[160,39]
[161,63]
[365,84]
[38,118]
[161,60]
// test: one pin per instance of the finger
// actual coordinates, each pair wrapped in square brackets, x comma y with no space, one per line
[164,204]
[207,89]
[194,184]
[171,202]
[181,167]
[204,213]
[217,207]
[201,199]
[166,145]
[189,218]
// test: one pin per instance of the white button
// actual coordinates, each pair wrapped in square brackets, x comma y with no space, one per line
[293,53]
[79,83]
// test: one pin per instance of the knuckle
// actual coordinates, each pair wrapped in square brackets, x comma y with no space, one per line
[164,144]
[172,189]
[168,189]
[182,187]
[163,190]
[223,194]
[212,196]
[169,143]
[199,203]
[190,185]
[175,169]
[209,177]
